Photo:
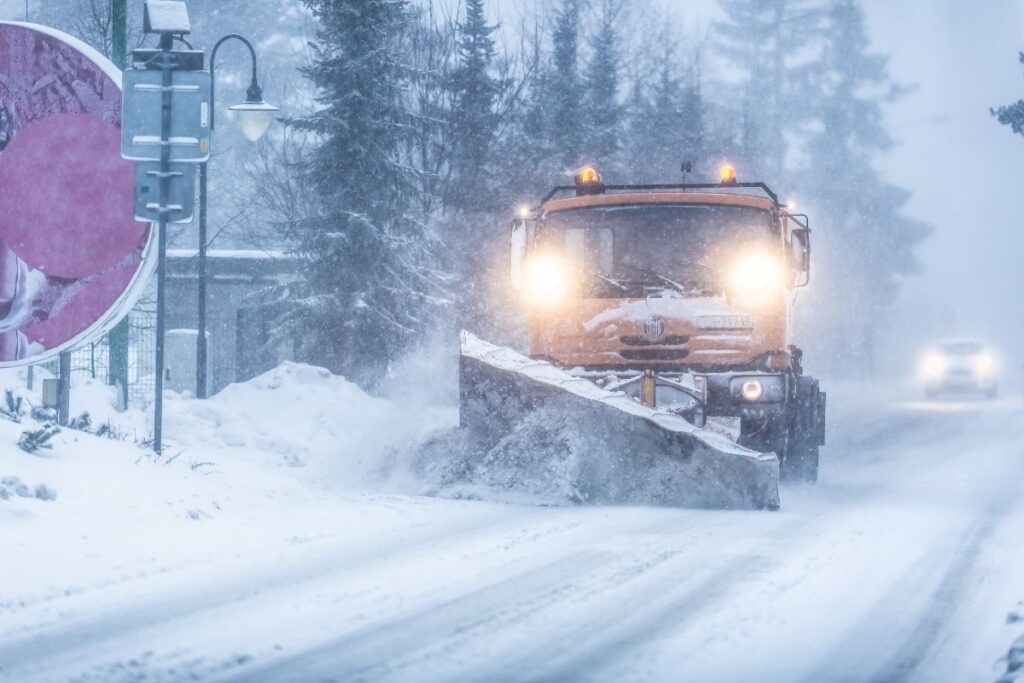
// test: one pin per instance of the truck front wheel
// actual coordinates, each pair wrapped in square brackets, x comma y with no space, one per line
[806,434]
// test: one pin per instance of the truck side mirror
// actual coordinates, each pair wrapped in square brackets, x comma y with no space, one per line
[801,246]
[519,240]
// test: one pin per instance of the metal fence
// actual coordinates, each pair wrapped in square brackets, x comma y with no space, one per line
[93,360]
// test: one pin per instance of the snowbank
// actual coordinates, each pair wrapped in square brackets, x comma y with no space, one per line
[302,416]
[293,455]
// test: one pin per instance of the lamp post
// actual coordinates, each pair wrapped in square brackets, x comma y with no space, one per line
[254,117]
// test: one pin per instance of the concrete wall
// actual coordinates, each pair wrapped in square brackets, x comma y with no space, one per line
[237,280]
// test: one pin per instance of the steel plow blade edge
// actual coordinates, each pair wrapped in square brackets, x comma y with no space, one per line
[527,414]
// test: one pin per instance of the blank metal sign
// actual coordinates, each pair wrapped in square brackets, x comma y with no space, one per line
[189,140]
[180,199]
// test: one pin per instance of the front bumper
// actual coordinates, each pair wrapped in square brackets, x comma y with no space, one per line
[962,382]
[698,396]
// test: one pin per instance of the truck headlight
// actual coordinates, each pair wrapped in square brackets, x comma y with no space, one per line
[752,390]
[758,388]
[547,281]
[756,274]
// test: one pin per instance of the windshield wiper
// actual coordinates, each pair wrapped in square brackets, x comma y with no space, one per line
[682,289]
[611,281]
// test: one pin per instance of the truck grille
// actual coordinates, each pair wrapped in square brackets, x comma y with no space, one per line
[653,354]
[671,340]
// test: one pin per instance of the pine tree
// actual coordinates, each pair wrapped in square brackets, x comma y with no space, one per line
[757,37]
[368,290]
[1012,115]
[431,45]
[524,154]
[603,111]
[666,123]
[475,120]
[564,92]
[868,244]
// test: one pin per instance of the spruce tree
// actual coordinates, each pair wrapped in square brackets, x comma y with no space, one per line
[1012,115]
[758,38]
[368,289]
[867,243]
[474,119]
[603,112]
[666,122]
[564,91]
[524,154]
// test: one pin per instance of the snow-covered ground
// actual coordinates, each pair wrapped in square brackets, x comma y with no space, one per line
[281,538]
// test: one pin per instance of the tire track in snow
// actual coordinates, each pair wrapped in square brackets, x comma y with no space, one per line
[943,603]
[612,633]
[637,626]
[88,629]
[403,648]
[850,660]
[353,657]
[90,640]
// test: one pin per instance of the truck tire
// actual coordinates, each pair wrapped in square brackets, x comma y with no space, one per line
[807,434]
[801,463]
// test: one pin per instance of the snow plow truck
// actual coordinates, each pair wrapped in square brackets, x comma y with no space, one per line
[659,325]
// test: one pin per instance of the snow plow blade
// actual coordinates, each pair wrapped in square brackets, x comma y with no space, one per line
[536,420]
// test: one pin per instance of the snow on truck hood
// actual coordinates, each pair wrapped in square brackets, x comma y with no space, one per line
[669,305]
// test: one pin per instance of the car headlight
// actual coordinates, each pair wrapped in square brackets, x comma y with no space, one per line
[985,365]
[758,388]
[756,274]
[547,281]
[934,366]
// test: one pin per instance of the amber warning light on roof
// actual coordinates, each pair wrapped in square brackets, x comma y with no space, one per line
[587,175]
[727,174]
[588,181]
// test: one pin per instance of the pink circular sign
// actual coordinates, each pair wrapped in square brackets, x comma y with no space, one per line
[72,258]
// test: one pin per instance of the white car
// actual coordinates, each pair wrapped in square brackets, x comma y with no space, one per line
[960,366]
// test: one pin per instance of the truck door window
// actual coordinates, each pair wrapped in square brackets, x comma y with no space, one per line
[591,249]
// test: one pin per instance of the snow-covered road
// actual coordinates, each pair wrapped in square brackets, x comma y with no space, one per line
[899,566]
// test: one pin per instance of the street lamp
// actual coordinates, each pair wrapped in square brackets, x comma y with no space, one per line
[254,117]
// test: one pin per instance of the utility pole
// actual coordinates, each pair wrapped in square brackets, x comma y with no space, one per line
[119,32]
[117,339]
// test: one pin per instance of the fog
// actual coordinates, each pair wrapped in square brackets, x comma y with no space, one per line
[960,165]
[963,168]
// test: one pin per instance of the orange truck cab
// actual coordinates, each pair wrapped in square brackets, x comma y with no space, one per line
[678,295]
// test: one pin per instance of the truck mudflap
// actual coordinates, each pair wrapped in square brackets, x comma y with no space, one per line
[526,421]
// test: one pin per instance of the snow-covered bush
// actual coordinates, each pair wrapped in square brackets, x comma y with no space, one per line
[31,440]
[82,423]
[14,486]
[12,406]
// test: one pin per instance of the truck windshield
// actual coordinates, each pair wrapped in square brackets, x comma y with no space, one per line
[632,250]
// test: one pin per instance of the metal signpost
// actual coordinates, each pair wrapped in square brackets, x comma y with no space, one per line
[166,119]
